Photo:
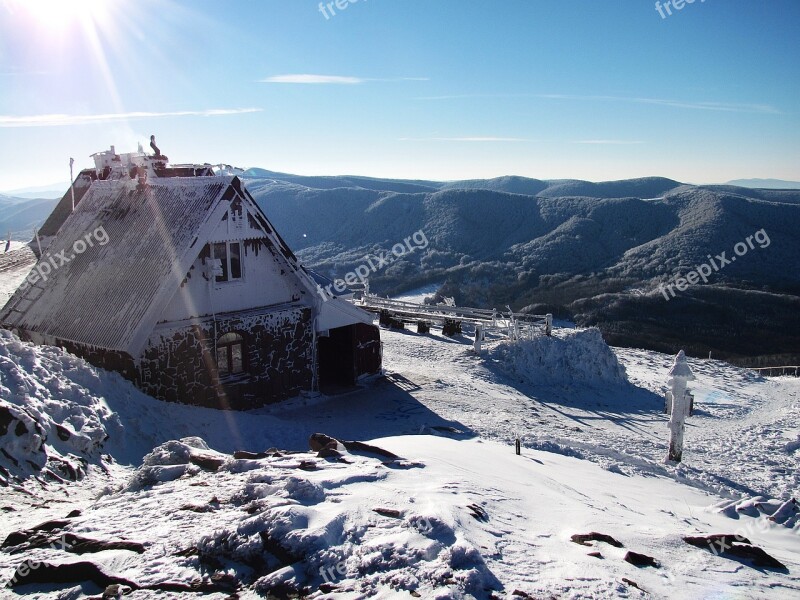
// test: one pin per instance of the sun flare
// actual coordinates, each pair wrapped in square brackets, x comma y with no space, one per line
[57,14]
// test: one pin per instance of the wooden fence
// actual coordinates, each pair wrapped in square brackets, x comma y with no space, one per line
[514,325]
[778,371]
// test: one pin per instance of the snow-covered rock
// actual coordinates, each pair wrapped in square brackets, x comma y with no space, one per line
[50,418]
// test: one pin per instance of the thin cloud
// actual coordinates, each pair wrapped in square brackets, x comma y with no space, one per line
[610,142]
[465,139]
[470,96]
[714,106]
[710,106]
[58,120]
[309,79]
[313,79]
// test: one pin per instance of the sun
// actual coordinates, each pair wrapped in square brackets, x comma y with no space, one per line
[59,14]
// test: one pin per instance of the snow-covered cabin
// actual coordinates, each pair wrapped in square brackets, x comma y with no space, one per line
[174,277]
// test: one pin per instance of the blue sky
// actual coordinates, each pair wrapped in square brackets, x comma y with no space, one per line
[434,89]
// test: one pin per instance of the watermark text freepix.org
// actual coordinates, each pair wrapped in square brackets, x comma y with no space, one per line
[665,9]
[374,263]
[326,7]
[49,263]
[715,264]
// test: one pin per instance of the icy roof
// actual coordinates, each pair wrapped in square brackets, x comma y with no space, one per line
[144,240]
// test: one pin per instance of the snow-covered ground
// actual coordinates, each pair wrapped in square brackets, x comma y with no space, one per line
[14,245]
[460,514]
[456,515]
[418,295]
[14,267]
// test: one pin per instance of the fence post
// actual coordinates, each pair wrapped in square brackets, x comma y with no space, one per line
[548,324]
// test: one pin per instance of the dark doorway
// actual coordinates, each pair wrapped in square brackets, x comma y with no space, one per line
[337,364]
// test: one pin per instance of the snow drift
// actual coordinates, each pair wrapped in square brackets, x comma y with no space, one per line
[53,421]
[572,357]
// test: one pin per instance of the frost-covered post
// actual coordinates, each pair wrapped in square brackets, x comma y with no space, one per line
[680,374]
[72,183]
[478,338]
[548,324]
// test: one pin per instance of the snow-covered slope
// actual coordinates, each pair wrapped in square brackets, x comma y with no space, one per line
[452,513]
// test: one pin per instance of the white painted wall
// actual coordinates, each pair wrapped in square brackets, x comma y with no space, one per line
[262,284]
[265,282]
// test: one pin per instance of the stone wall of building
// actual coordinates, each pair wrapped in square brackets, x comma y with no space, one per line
[179,364]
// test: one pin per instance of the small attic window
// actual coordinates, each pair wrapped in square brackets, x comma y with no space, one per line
[230,255]
[230,354]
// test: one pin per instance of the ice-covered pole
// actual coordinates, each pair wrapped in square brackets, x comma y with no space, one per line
[72,182]
[680,374]
[478,338]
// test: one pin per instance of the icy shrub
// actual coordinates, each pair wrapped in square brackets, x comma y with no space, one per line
[233,546]
[580,357]
[195,442]
[167,462]
[145,477]
[170,453]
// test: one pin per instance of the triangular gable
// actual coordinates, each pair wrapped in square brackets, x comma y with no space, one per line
[244,221]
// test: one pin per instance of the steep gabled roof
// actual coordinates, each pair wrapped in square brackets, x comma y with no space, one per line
[111,295]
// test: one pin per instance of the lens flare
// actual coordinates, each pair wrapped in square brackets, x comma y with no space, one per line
[60,14]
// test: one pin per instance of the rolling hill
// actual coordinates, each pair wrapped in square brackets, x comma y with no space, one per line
[594,252]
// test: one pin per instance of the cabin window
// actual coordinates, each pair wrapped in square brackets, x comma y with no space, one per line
[230,354]
[230,255]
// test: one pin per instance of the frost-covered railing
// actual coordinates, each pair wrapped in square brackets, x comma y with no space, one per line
[516,325]
[791,371]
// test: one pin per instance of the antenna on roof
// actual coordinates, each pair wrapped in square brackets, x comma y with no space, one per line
[153,145]
[72,182]
[38,242]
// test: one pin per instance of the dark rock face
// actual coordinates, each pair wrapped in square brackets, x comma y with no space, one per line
[736,546]
[19,430]
[6,418]
[329,452]
[584,538]
[640,560]
[369,449]
[63,433]
[66,573]
[318,441]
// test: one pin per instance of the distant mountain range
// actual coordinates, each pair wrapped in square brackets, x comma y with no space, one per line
[53,190]
[772,184]
[594,252]
[21,216]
